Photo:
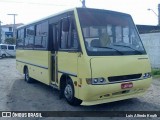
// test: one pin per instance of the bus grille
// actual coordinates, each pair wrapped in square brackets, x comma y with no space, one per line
[124,77]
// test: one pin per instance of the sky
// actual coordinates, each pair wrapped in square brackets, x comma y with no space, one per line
[30,10]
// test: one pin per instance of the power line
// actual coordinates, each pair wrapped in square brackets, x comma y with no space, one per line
[35,3]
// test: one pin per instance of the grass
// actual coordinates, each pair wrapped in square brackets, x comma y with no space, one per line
[155,73]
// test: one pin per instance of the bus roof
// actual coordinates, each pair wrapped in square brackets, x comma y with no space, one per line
[42,19]
[69,10]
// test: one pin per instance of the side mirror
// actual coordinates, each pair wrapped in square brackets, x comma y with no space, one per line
[65,25]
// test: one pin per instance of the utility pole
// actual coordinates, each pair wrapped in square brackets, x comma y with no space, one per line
[149,9]
[14,27]
[0,33]
[83,3]
[153,11]
[158,14]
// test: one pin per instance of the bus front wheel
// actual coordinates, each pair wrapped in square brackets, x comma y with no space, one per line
[27,77]
[69,94]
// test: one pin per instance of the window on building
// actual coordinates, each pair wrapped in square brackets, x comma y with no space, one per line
[10,29]
[29,39]
[41,37]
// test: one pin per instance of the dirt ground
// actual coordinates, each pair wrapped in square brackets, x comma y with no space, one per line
[17,95]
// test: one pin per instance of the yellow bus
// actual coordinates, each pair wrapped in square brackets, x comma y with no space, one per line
[91,56]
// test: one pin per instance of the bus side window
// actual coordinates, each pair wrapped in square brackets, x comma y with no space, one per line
[41,37]
[29,38]
[20,38]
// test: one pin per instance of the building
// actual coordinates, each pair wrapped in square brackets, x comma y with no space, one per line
[143,29]
[150,36]
[7,31]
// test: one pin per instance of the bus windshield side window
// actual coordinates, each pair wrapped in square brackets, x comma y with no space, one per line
[69,37]
[73,36]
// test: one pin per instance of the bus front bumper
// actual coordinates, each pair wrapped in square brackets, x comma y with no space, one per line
[98,94]
[87,103]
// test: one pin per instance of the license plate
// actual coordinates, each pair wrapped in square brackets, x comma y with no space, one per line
[126,85]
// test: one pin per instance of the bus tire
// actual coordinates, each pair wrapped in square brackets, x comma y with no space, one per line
[69,94]
[3,55]
[27,78]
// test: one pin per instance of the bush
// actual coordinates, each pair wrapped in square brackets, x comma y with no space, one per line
[155,72]
[10,41]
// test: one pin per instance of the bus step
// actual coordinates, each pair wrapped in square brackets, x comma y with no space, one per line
[54,86]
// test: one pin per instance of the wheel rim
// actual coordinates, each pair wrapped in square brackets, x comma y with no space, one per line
[68,92]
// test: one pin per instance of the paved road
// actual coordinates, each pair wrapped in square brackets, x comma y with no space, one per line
[17,95]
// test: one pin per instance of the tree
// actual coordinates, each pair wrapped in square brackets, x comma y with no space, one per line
[10,41]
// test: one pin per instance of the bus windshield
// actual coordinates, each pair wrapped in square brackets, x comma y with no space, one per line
[109,33]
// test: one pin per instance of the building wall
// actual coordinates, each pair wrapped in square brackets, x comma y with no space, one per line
[3,33]
[151,43]
[7,30]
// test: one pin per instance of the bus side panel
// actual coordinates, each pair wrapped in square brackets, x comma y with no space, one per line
[20,67]
[67,64]
[38,63]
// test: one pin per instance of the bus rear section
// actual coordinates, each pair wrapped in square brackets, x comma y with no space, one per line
[118,66]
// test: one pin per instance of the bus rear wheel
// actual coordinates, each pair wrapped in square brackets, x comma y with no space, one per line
[69,94]
[3,56]
[27,77]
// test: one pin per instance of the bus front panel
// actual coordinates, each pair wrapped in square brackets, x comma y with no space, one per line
[118,63]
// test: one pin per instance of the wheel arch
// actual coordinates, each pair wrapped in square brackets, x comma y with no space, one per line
[63,80]
[4,55]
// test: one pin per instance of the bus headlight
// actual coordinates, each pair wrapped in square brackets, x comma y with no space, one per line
[96,81]
[146,75]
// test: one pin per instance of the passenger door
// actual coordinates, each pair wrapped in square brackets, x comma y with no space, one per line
[53,28]
[68,48]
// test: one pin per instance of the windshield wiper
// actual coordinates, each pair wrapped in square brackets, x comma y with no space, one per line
[121,53]
[130,48]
